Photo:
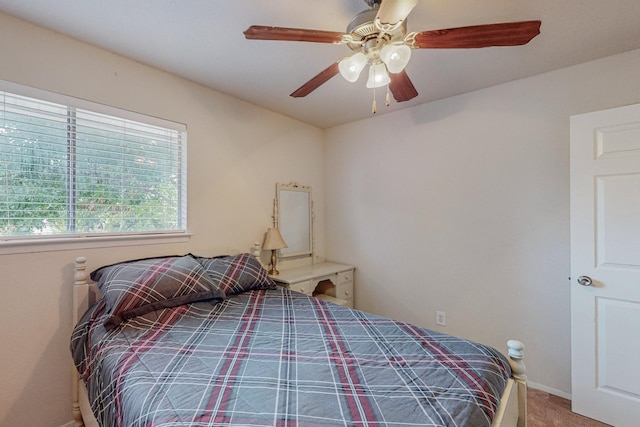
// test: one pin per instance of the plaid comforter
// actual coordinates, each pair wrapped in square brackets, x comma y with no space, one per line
[280,358]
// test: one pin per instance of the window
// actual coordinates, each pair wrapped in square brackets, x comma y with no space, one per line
[74,168]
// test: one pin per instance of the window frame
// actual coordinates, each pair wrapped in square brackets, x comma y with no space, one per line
[45,243]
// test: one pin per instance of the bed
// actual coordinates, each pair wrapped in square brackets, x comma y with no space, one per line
[195,341]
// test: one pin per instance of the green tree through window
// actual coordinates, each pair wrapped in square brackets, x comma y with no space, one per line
[66,171]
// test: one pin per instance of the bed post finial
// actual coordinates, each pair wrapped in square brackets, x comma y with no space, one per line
[80,275]
[519,373]
[516,356]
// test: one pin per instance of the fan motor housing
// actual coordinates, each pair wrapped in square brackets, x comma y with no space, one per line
[362,27]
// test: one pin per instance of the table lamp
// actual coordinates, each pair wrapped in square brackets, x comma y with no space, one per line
[273,241]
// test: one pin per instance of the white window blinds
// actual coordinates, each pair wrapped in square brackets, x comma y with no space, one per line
[66,170]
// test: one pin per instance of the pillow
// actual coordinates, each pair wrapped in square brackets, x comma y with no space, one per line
[133,288]
[237,274]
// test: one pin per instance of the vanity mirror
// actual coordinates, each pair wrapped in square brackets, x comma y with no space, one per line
[294,216]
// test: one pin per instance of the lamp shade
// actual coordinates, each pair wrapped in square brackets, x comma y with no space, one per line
[395,56]
[378,76]
[351,67]
[273,240]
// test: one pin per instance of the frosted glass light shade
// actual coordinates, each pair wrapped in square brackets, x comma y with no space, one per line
[378,76]
[396,56]
[350,68]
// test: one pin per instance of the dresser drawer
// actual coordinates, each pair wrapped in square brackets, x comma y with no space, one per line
[306,287]
[345,291]
[345,276]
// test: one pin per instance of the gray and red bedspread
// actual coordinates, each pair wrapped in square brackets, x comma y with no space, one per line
[280,358]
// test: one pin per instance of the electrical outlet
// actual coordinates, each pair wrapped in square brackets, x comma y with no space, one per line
[441,318]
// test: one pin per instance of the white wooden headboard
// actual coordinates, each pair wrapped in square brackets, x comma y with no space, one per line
[85,294]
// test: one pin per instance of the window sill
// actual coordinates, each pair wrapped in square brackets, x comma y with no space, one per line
[88,242]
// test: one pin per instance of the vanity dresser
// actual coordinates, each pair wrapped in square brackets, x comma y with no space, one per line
[327,280]
[293,215]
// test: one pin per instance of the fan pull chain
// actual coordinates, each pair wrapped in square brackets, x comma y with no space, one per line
[374,107]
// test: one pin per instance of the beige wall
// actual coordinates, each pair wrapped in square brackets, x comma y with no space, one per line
[230,199]
[462,205]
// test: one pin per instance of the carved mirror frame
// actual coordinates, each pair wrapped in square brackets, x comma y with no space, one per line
[293,214]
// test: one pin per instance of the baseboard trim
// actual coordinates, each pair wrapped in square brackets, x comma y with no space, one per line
[549,390]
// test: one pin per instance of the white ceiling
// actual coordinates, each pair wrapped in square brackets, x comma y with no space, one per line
[202,40]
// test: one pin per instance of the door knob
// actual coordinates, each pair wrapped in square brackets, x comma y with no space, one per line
[585,280]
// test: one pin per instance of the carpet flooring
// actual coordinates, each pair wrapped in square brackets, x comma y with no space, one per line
[547,410]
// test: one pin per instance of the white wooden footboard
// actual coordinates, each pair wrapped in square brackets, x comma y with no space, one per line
[512,411]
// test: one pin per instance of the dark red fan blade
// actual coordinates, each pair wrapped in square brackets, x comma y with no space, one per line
[259,32]
[401,87]
[317,81]
[505,34]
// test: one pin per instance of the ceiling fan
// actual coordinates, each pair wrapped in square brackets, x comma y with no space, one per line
[380,39]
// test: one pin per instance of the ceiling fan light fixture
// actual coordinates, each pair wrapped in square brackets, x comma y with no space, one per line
[379,38]
[395,56]
[378,76]
[350,68]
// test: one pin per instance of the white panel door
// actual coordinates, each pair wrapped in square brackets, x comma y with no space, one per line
[605,265]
